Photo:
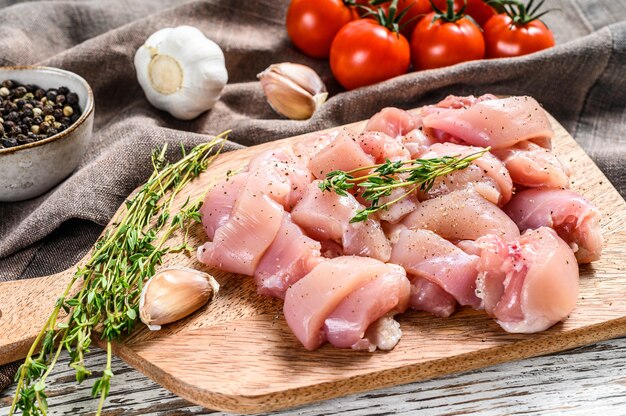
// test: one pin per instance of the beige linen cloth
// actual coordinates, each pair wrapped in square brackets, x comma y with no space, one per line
[582,82]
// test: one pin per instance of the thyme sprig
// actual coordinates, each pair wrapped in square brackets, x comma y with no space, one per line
[123,258]
[384,178]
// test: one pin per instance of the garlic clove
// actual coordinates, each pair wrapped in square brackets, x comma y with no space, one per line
[174,293]
[293,90]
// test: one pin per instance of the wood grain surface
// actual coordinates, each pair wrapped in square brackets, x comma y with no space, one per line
[245,359]
[579,382]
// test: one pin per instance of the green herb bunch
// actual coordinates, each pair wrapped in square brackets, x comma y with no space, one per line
[123,258]
[384,178]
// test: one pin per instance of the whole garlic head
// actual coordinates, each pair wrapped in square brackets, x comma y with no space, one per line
[174,293]
[181,71]
[293,90]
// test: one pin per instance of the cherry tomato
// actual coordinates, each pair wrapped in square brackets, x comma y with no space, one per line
[479,10]
[415,10]
[313,24]
[440,43]
[503,40]
[364,53]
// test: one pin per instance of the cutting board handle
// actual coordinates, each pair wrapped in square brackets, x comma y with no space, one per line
[24,308]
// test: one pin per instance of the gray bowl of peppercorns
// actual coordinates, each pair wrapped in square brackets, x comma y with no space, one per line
[46,119]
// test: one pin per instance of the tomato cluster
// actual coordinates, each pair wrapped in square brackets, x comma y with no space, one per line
[369,41]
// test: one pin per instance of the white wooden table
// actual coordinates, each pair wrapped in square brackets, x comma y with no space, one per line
[586,381]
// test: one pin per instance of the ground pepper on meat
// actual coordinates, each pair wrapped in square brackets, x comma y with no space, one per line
[29,113]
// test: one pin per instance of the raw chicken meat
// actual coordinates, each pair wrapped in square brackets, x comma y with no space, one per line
[239,244]
[394,122]
[290,257]
[318,295]
[455,101]
[417,142]
[382,147]
[219,202]
[496,123]
[285,174]
[424,254]
[486,175]
[312,144]
[324,215]
[429,297]
[575,219]
[533,166]
[528,284]
[343,153]
[387,295]
[395,212]
[460,215]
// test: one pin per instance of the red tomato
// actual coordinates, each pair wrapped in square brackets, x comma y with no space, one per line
[364,53]
[313,24]
[438,44]
[503,40]
[479,10]
[415,10]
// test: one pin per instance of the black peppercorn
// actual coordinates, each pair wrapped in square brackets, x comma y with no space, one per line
[58,114]
[7,83]
[60,99]
[9,142]
[72,98]
[13,116]
[19,92]
[39,94]
[52,132]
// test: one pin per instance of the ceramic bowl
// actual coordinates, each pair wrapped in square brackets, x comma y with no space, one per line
[29,170]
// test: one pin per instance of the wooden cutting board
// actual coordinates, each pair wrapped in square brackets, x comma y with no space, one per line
[237,354]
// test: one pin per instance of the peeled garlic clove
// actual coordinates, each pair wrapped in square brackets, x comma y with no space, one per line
[293,90]
[174,293]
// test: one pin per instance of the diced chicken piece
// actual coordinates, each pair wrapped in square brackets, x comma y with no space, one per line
[312,144]
[324,215]
[394,122]
[343,153]
[387,295]
[461,215]
[395,212]
[498,123]
[424,254]
[533,166]
[290,257]
[417,142]
[286,176]
[315,297]
[239,244]
[576,220]
[382,147]
[455,101]
[530,284]
[219,201]
[486,175]
[430,297]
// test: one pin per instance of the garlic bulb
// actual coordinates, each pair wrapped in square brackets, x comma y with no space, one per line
[181,71]
[174,293]
[293,90]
